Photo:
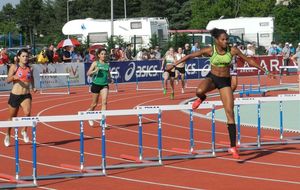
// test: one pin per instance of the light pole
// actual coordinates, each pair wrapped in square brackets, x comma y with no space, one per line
[125,12]
[112,16]
[68,9]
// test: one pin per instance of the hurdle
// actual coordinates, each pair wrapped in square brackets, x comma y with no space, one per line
[139,72]
[281,140]
[190,154]
[42,75]
[82,172]
[237,102]
[3,93]
[193,70]
[17,182]
[114,75]
[251,90]
[140,162]
[281,74]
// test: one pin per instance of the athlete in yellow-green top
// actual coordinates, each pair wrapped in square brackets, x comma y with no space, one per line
[219,77]
[99,71]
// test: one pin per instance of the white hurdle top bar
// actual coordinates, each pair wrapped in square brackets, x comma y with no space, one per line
[26,123]
[124,112]
[54,74]
[154,71]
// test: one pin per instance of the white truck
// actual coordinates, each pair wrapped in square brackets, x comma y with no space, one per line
[99,30]
[253,29]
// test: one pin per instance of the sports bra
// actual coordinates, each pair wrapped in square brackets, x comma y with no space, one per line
[220,60]
[169,59]
[24,74]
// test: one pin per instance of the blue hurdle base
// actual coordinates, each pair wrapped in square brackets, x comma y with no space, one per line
[126,166]
[14,186]
[63,176]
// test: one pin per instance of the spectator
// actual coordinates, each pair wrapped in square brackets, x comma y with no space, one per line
[273,49]
[186,49]
[286,52]
[50,53]
[250,51]
[67,54]
[128,52]
[292,49]
[195,47]
[4,58]
[152,54]
[55,56]
[42,57]
[298,48]
[157,52]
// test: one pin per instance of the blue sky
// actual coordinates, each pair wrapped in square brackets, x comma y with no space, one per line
[4,2]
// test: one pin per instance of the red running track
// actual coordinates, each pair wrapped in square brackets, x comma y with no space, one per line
[272,167]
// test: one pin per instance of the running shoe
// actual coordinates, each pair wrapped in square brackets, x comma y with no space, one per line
[234,152]
[6,141]
[25,136]
[182,91]
[165,91]
[172,96]
[91,123]
[196,103]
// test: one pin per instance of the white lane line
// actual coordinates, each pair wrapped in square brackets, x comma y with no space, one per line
[235,175]
[154,183]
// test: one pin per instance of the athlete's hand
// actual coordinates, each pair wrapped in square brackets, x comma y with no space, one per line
[15,77]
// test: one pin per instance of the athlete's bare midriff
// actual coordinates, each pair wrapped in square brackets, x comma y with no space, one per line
[220,71]
[20,87]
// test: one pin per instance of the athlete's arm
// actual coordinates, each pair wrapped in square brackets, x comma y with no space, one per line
[236,51]
[93,69]
[11,74]
[204,51]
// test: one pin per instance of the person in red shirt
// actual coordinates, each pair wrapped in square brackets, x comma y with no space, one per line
[21,75]
[4,58]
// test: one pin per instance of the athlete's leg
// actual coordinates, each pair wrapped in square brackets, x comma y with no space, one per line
[26,106]
[182,82]
[95,97]
[104,94]
[228,103]
[172,86]
[234,82]
[12,112]
[205,86]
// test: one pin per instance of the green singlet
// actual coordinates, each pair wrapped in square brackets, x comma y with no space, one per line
[101,77]
[220,60]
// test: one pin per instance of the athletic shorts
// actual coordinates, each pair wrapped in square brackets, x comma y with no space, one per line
[180,69]
[97,88]
[171,74]
[219,82]
[16,100]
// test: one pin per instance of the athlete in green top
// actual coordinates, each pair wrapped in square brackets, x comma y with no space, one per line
[99,71]
[219,77]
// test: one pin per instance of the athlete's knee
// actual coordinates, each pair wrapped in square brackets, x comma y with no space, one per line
[200,92]
[26,113]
